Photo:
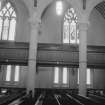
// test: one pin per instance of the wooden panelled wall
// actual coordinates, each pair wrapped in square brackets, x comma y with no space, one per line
[51,54]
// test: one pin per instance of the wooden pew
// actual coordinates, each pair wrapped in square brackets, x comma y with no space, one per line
[38,92]
[18,101]
[10,98]
[63,99]
[40,99]
[74,100]
[86,100]
[50,100]
[97,98]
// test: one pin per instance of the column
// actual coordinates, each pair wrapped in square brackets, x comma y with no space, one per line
[34,23]
[82,58]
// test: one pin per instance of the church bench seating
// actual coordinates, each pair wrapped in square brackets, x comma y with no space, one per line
[86,100]
[40,99]
[10,98]
[97,98]
[74,99]
[50,100]
[27,100]
[71,100]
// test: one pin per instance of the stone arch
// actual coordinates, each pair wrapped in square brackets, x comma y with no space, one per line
[43,10]
[91,4]
[22,13]
[74,4]
[19,4]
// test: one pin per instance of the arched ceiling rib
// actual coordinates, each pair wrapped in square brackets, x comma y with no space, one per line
[101,8]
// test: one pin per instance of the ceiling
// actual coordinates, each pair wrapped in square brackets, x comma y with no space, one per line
[101,8]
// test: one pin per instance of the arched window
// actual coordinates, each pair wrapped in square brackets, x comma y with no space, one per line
[7,32]
[70,27]
[7,22]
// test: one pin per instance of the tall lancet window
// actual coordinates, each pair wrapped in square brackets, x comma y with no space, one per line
[56,75]
[7,22]
[16,76]
[70,27]
[8,74]
[64,79]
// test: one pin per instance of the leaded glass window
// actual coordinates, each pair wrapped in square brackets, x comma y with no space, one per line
[70,27]
[7,22]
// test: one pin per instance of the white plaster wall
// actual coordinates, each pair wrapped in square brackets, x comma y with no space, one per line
[44,78]
[96,31]
[22,26]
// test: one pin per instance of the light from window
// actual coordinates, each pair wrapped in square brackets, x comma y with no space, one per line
[88,77]
[64,75]
[73,32]
[66,32]
[5,29]
[7,23]
[56,75]
[8,73]
[70,27]
[17,69]
[59,7]
[12,29]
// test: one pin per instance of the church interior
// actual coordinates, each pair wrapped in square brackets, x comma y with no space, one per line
[52,52]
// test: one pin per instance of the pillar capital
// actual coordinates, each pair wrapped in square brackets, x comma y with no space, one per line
[83,25]
[34,21]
